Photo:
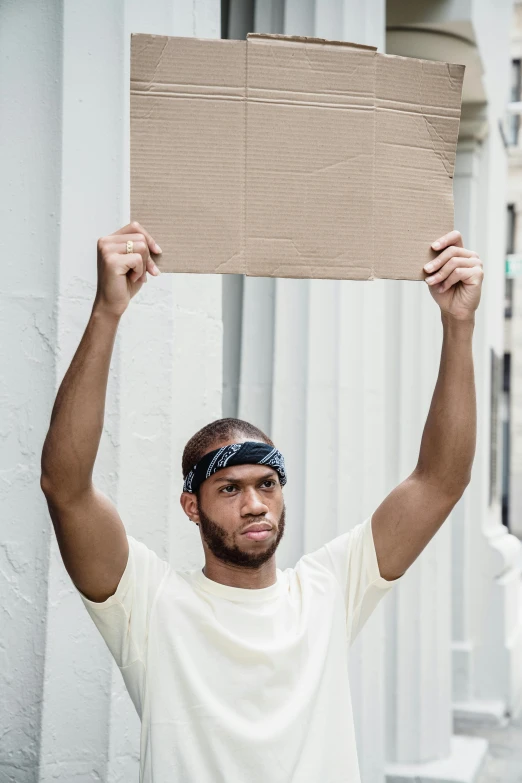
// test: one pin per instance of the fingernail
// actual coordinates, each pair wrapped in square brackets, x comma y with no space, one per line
[430,279]
[428,267]
[158,248]
[436,245]
[156,270]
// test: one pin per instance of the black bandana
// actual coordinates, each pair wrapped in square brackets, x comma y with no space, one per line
[249,453]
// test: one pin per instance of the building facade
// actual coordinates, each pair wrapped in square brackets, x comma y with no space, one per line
[337,368]
[512,403]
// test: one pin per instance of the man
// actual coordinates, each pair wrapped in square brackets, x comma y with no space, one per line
[239,671]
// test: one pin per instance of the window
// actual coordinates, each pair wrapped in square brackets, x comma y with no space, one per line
[511,228]
[510,248]
[495,431]
[514,119]
[508,298]
[505,437]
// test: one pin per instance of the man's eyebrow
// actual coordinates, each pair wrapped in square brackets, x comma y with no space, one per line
[231,480]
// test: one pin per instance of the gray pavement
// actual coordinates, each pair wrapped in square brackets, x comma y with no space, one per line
[504,762]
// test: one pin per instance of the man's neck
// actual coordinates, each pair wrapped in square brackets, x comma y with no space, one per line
[239,576]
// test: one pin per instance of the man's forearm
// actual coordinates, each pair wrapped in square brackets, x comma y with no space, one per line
[76,426]
[449,437]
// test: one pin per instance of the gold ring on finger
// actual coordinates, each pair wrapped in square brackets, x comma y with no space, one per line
[130,246]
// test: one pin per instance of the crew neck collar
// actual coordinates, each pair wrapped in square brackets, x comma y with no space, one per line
[241,594]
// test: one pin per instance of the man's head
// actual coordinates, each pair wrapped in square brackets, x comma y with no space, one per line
[235,499]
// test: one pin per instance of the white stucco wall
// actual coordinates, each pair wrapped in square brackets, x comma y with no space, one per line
[30,161]
[64,99]
[343,369]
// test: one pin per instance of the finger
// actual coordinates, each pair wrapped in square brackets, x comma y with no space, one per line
[468,275]
[134,262]
[449,266]
[139,246]
[449,252]
[143,248]
[152,268]
[453,238]
[137,228]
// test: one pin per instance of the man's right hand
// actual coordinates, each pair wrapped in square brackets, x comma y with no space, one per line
[121,274]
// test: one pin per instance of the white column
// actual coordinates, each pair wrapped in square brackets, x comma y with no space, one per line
[30,127]
[329,402]
[269,16]
[420,744]
[419,653]
[497,662]
[257,352]
[487,646]
[172,391]
[419,676]
[289,407]
[468,567]
[165,379]
[361,486]
[76,699]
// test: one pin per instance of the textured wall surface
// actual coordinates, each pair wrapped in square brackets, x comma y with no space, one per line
[30,160]
[64,113]
[340,374]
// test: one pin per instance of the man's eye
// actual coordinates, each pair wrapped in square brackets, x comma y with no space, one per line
[269,482]
[230,487]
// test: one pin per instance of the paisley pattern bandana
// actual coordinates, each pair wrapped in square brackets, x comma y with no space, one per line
[249,453]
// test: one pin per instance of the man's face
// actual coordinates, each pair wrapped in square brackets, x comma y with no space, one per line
[241,514]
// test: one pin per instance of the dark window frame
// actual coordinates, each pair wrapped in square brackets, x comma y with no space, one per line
[516,89]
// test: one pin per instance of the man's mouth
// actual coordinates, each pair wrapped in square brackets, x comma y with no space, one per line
[257,535]
[258,532]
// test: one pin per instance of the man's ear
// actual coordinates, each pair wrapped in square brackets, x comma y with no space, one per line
[189,504]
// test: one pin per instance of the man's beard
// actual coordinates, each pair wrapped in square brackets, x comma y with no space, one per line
[216,539]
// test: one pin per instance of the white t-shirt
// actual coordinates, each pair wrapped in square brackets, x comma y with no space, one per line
[243,686]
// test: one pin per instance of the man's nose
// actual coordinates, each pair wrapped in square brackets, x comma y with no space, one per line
[254,503]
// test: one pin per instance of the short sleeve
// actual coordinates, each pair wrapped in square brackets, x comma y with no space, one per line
[352,559]
[123,618]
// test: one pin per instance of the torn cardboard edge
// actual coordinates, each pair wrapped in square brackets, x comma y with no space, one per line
[307,39]
[310,160]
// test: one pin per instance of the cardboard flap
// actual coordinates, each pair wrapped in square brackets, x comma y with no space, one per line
[187,149]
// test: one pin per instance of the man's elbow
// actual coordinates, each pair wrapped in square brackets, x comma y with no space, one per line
[451,486]
[458,483]
[47,485]
[60,492]
[456,491]
[51,486]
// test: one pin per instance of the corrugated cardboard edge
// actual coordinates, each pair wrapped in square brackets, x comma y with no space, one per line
[307,39]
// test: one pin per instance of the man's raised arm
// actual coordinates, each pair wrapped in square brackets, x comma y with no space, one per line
[90,533]
[413,512]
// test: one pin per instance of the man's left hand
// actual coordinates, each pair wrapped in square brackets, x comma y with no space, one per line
[455,277]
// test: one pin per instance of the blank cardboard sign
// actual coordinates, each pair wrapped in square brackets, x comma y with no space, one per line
[282,156]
